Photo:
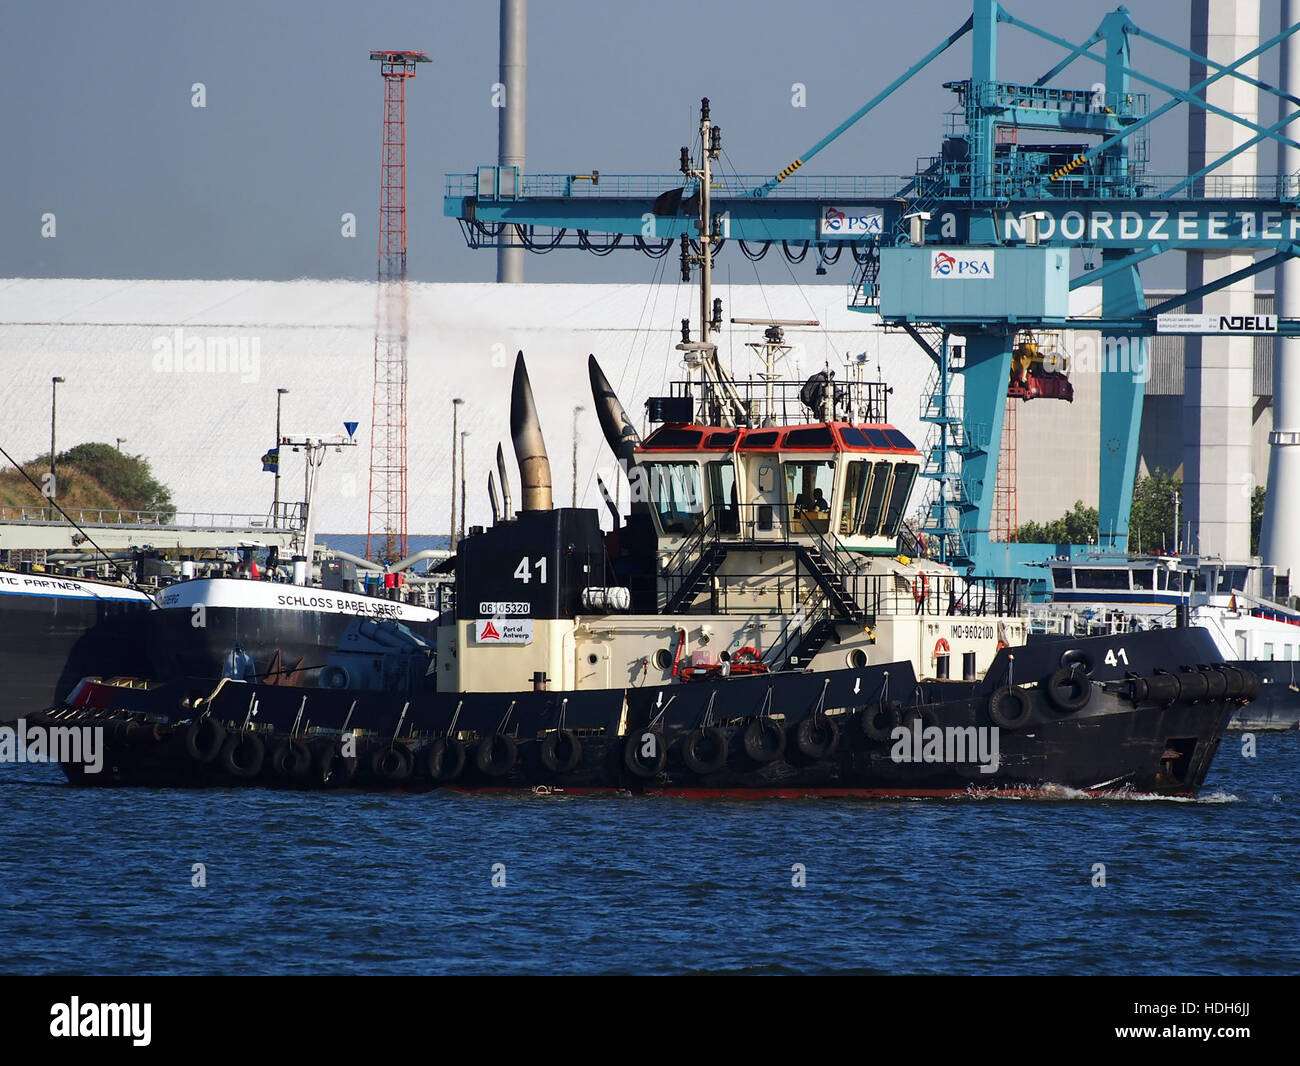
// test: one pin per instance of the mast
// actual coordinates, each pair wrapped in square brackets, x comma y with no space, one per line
[716,387]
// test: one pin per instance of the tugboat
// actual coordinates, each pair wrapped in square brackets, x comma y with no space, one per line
[1122,593]
[750,628]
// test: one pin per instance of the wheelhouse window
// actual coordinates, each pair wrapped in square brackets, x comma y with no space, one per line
[808,486]
[1061,577]
[723,494]
[857,483]
[875,499]
[1098,578]
[675,495]
[1142,579]
[904,475]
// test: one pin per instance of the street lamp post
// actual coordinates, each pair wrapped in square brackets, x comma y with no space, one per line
[577,410]
[455,438]
[275,507]
[55,382]
[120,442]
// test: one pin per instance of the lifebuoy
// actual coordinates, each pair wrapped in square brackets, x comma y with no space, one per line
[704,751]
[331,768]
[242,754]
[444,759]
[1010,708]
[940,648]
[644,753]
[764,740]
[920,587]
[291,758]
[816,737]
[203,739]
[392,763]
[879,720]
[496,755]
[1067,690]
[564,741]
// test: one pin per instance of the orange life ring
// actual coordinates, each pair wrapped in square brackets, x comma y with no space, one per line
[920,587]
[941,648]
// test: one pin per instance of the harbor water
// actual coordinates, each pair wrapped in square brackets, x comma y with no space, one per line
[251,881]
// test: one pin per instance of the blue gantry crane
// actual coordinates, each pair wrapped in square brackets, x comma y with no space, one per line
[987,210]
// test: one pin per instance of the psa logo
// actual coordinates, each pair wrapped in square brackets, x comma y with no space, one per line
[844,222]
[961,264]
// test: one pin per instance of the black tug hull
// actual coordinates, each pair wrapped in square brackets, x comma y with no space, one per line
[789,734]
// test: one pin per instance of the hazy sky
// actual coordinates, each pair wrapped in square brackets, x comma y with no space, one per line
[98,128]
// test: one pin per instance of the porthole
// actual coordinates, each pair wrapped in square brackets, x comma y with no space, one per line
[857,659]
[663,659]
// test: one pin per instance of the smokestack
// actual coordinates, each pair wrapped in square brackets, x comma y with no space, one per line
[510,122]
[614,423]
[505,484]
[1279,536]
[530,448]
[492,498]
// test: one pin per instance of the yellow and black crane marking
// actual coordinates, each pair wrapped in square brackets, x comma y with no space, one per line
[789,170]
[1073,165]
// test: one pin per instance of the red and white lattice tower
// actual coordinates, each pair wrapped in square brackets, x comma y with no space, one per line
[386,530]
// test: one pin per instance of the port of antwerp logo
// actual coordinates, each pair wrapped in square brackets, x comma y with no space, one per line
[489,632]
[962,265]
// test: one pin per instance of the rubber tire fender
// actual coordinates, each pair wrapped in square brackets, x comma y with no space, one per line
[1010,718]
[496,754]
[691,743]
[444,759]
[291,758]
[1250,684]
[331,768]
[392,763]
[250,763]
[1073,656]
[871,717]
[633,759]
[1162,688]
[816,737]
[1067,690]
[764,740]
[550,753]
[204,738]
[1236,682]
[1193,687]
[1216,686]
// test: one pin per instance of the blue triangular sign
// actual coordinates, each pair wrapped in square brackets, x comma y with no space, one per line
[351,427]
